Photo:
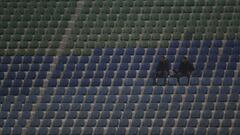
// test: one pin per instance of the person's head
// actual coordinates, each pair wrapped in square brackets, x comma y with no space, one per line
[185,59]
[162,58]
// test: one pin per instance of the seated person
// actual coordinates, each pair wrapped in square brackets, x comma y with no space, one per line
[162,69]
[185,68]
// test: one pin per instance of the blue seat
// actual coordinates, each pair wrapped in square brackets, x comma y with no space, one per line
[150,51]
[84,82]
[65,131]
[232,66]
[116,59]
[221,65]
[129,51]
[97,51]
[106,82]
[131,74]
[137,59]
[117,82]
[94,59]
[224,58]
[119,51]
[84,59]
[161,51]
[227,81]
[237,81]
[126,59]
[112,67]
[17,60]
[139,82]
[128,82]
[217,81]
[52,83]
[203,51]
[89,74]
[171,51]
[229,73]
[206,81]
[105,59]
[45,67]
[208,73]
[140,51]
[6,60]
[172,81]
[102,66]
[183,81]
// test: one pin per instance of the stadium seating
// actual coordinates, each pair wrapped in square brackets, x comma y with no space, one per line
[88,67]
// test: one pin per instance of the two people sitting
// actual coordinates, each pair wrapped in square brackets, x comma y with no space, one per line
[163,69]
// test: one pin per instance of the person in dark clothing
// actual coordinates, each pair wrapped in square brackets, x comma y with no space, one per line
[185,68]
[162,69]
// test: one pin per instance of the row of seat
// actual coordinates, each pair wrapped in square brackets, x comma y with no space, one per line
[133,100]
[170,122]
[114,90]
[205,81]
[121,130]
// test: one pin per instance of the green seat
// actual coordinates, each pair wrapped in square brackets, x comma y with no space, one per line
[86,52]
[178,2]
[16,37]
[208,36]
[135,36]
[198,36]
[52,52]
[54,44]
[164,44]
[146,36]
[156,36]
[166,9]
[176,10]
[103,37]
[102,17]
[13,45]
[210,2]
[149,3]
[156,10]
[121,44]
[10,52]
[129,23]
[79,44]
[166,36]
[110,44]
[82,37]
[176,36]
[116,30]
[197,9]
[66,52]
[2,52]
[92,37]
[221,2]
[143,44]
[132,44]
[113,37]
[77,52]
[169,2]
[132,17]
[136,10]
[145,17]
[57,37]
[124,37]
[230,36]
[106,30]
[127,30]
[6,37]
[219,36]
[21,52]
[40,52]
[152,44]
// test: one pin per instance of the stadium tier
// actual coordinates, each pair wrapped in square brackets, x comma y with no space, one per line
[85,67]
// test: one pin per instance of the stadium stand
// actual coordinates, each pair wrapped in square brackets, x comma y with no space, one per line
[86,67]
